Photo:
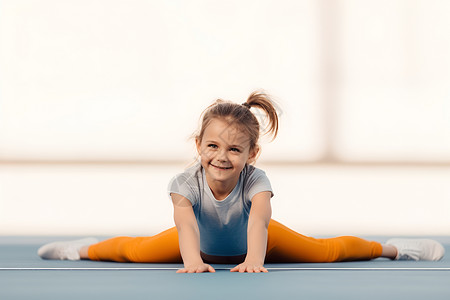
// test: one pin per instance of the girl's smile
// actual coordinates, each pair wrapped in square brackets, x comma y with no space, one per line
[221,168]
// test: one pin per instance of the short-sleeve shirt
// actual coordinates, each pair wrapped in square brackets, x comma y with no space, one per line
[222,224]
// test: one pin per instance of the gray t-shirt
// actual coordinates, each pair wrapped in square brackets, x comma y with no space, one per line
[222,224]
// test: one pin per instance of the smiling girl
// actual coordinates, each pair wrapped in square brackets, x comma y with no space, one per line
[222,210]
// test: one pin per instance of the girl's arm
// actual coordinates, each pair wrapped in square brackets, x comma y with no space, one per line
[258,222]
[189,236]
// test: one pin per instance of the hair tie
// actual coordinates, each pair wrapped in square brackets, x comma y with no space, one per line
[246,105]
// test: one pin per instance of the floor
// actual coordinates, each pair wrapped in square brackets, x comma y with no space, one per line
[23,275]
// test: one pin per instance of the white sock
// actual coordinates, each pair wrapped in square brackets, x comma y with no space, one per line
[68,250]
[417,249]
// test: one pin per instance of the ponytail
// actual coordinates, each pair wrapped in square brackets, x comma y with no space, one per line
[261,100]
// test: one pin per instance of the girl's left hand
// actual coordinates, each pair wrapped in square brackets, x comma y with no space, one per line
[250,267]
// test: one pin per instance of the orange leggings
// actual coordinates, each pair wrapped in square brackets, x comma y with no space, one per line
[283,245]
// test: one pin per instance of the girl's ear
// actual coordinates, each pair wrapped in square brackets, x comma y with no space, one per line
[197,144]
[253,155]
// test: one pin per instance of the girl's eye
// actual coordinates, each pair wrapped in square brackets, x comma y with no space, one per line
[235,150]
[212,146]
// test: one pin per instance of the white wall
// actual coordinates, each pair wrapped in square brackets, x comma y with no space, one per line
[125,81]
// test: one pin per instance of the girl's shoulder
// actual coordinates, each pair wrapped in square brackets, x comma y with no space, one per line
[187,183]
[255,180]
[252,172]
[191,174]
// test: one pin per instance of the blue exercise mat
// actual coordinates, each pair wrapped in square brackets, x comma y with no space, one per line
[23,275]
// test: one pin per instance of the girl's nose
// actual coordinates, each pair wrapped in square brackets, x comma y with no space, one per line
[222,155]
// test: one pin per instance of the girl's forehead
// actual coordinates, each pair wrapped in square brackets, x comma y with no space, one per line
[221,131]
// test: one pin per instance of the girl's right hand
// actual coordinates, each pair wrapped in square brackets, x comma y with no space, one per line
[197,268]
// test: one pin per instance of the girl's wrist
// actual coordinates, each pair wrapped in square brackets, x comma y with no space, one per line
[254,260]
[193,262]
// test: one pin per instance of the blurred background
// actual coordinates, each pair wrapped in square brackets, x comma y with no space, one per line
[99,98]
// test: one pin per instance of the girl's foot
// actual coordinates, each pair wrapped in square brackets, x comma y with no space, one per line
[417,249]
[69,250]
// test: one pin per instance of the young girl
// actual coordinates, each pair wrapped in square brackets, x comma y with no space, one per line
[222,211]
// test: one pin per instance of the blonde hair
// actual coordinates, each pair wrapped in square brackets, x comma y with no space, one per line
[240,115]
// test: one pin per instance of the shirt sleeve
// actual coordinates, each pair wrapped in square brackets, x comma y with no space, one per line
[184,185]
[258,182]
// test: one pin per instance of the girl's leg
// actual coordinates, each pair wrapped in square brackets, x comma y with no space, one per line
[389,251]
[160,248]
[286,245]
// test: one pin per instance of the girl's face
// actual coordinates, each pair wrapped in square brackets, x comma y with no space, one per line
[224,150]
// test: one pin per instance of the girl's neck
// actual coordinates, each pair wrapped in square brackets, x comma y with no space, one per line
[221,190]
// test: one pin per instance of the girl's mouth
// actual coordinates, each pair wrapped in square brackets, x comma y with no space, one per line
[220,168]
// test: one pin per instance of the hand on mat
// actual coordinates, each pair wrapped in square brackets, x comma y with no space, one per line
[250,267]
[197,268]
